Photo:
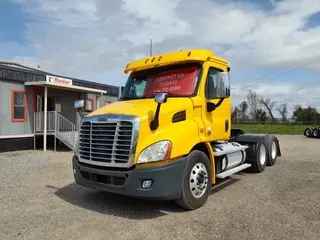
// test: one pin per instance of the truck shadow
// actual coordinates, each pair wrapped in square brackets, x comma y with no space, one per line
[122,206]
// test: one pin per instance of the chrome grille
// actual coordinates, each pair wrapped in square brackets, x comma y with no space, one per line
[107,142]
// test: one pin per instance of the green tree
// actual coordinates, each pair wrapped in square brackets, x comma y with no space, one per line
[235,114]
[253,101]
[283,110]
[305,115]
[243,107]
[269,105]
[261,116]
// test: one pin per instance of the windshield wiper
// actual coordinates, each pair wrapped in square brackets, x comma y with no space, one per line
[136,98]
[126,98]
[132,98]
[175,94]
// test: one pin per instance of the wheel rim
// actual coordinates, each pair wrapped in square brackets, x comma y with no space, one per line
[308,133]
[198,181]
[273,150]
[262,154]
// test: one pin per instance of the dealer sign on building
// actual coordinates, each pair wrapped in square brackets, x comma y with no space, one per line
[58,80]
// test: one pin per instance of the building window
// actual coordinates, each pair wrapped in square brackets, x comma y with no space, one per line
[107,102]
[19,106]
[89,105]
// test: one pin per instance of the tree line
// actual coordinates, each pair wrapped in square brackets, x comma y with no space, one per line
[262,109]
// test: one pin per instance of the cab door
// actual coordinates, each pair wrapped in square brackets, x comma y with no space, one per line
[216,111]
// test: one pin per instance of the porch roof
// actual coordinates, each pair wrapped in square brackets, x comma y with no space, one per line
[65,87]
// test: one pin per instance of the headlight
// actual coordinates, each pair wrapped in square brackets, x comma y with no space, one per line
[155,152]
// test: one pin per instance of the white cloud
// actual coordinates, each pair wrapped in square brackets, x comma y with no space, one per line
[273,3]
[158,20]
[90,36]
[105,31]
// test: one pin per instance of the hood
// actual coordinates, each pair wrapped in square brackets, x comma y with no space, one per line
[144,108]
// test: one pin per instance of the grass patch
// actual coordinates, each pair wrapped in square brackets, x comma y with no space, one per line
[272,129]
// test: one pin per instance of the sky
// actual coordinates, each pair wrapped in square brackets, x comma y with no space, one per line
[272,45]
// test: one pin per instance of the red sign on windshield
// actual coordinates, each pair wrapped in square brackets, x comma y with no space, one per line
[177,81]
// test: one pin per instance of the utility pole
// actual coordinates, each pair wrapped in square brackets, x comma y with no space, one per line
[150,47]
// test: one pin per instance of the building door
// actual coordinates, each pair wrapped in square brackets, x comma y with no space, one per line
[50,104]
[39,103]
[50,113]
[39,114]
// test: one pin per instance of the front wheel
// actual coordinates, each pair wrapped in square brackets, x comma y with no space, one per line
[197,180]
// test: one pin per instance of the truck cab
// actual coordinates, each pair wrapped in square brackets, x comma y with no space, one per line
[170,134]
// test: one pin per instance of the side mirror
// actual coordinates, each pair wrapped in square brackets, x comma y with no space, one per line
[223,84]
[161,97]
[121,91]
[79,104]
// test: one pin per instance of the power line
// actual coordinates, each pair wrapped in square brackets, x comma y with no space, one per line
[287,72]
[304,65]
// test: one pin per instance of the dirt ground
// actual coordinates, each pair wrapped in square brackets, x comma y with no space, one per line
[39,200]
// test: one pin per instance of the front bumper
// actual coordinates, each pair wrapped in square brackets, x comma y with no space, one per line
[166,179]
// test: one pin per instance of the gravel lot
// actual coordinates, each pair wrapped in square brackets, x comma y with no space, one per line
[39,200]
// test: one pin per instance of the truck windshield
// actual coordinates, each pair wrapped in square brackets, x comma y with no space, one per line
[176,80]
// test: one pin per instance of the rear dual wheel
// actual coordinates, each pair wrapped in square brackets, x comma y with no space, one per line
[266,153]
[308,132]
[272,150]
[312,132]
[197,179]
[260,163]
[316,133]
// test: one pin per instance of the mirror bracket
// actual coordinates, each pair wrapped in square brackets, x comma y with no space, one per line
[211,106]
[159,98]
[79,104]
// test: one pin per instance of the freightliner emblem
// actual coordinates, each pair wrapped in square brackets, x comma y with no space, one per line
[103,119]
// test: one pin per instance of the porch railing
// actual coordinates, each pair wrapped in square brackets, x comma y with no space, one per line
[66,131]
[63,124]
[57,125]
[39,121]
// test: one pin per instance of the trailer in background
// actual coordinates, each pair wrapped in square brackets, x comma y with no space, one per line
[312,132]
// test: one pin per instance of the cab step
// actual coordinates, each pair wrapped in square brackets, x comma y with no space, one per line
[233,171]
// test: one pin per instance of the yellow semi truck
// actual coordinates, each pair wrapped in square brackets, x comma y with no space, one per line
[169,136]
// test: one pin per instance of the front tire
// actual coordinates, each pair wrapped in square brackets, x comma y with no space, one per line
[197,180]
